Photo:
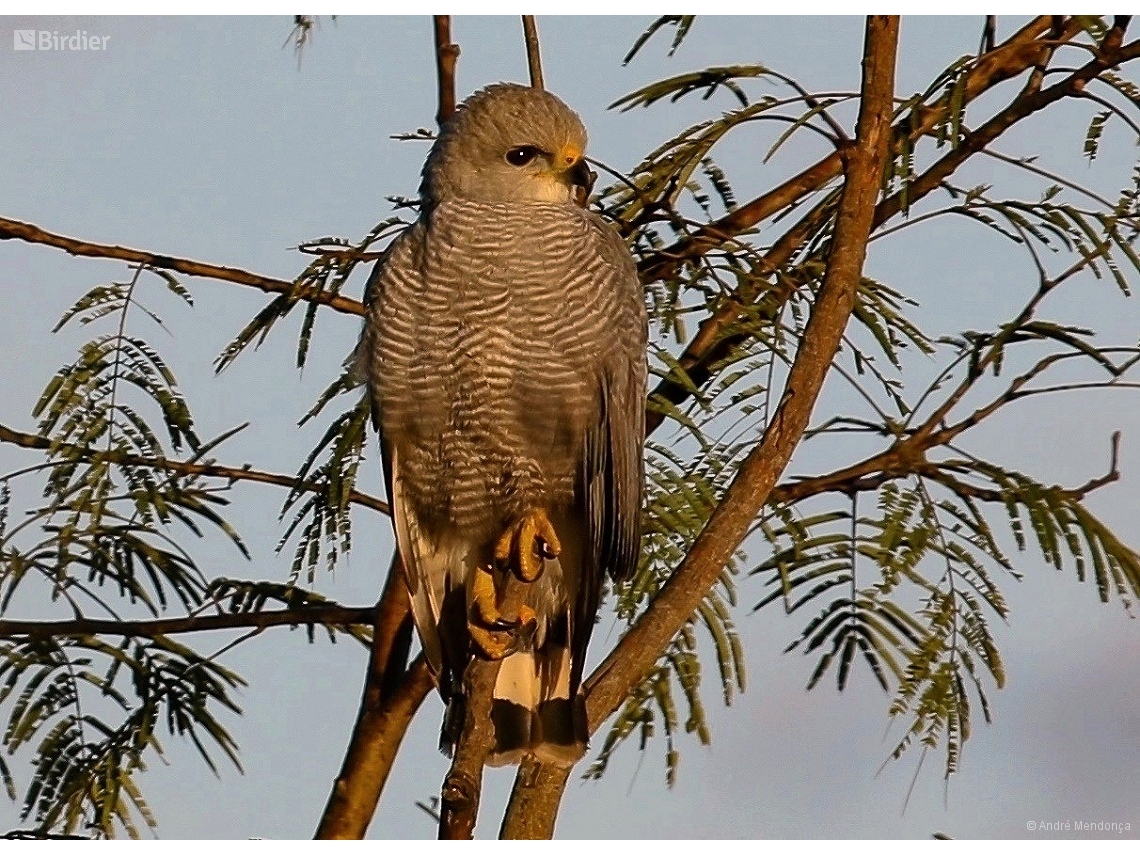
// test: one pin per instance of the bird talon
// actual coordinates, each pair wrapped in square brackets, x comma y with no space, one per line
[484,598]
[494,634]
[493,645]
[530,541]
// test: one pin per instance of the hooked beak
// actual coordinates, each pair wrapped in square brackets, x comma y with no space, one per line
[575,172]
[572,164]
[581,176]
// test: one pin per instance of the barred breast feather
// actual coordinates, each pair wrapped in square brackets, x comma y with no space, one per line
[494,325]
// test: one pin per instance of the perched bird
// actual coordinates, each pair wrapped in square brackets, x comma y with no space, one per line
[504,351]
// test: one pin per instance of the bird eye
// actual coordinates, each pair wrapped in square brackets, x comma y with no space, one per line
[522,155]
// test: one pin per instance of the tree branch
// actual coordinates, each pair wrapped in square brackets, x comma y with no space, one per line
[533,55]
[459,802]
[459,799]
[627,664]
[535,799]
[1022,107]
[1020,52]
[446,55]
[679,598]
[392,694]
[208,470]
[10,229]
[329,615]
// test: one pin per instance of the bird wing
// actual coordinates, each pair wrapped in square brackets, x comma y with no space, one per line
[431,570]
[613,470]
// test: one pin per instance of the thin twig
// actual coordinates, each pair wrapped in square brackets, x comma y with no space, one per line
[10,229]
[327,615]
[446,54]
[207,470]
[533,55]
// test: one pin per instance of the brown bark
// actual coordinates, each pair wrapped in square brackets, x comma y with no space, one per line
[637,651]
[459,800]
[533,54]
[535,798]
[446,56]
[392,694]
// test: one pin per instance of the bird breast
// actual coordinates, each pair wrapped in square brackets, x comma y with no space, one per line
[493,321]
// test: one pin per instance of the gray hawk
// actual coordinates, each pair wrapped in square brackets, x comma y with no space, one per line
[504,351]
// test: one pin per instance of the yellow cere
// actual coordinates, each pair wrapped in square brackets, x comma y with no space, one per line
[567,156]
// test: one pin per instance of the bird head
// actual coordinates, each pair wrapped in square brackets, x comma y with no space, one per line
[508,143]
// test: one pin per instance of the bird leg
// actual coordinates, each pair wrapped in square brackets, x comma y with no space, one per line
[522,548]
[496,635]
[529,541]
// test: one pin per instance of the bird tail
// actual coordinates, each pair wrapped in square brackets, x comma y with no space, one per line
[531,713]
[534,710]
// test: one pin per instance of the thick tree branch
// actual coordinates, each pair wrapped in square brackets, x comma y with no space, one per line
[535,799]
[208,470]
[392,694]
[328,615]
[627,664]
[459,802]
[10,229]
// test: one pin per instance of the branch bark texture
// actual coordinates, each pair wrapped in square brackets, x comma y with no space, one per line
[446,56]
[392,694]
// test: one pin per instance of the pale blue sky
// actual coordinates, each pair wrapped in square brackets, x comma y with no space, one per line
[200,137]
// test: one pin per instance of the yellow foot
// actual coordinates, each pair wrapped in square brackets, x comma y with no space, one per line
[494,634]
[529,541]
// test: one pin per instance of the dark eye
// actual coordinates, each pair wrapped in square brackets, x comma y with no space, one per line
[522,155]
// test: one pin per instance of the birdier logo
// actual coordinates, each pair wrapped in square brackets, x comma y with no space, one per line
[54,40]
